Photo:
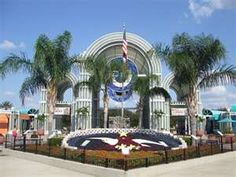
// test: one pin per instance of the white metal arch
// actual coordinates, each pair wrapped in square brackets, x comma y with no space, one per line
[134,41]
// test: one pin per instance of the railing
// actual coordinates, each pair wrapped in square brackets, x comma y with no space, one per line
[116,159]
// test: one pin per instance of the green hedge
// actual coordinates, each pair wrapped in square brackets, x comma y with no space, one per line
[188,140]
[55,141]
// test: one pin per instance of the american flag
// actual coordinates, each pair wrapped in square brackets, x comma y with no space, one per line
[125,47]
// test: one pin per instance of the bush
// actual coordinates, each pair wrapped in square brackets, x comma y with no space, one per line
[55,141]
[34,135]
[188,140]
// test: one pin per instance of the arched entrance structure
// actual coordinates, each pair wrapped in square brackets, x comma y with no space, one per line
[110,47]
[178,109]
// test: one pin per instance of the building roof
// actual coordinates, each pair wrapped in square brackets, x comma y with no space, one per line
[3,118]
[233,108]
[215,115]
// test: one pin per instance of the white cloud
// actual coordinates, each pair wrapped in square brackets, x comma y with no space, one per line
[31,102]
[217,97]
[29,99]
[205,8]
[8,45]
[9,93]
[219,90]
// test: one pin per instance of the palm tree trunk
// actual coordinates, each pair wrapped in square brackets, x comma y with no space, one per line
[51,103]
[95,109]
[140,113]
[191,102]
[140,123]
[105,104]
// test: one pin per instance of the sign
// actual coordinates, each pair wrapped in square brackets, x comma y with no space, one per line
[125,151]
[85,143]
[178,111]
[62,111]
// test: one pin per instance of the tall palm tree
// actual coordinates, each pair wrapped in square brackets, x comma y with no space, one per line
[196,63]
[141,85]
[50,65]
[101,75]
[6,105]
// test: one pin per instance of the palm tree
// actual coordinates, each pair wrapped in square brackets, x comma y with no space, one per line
[157,115]
[101,75]
[195,62]
[141,85]
[83,112]
[50,65]
[40,119]
[6,105]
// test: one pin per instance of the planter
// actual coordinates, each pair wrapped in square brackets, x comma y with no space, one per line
[227,138]
[200,132]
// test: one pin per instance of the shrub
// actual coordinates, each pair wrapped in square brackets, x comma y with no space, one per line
[188,140]
[55,141]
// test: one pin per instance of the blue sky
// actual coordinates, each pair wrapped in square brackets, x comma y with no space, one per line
[22,21]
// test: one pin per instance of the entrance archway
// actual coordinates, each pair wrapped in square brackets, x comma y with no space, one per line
[110,47]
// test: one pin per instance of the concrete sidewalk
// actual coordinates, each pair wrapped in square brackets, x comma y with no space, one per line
[221,165]
[15,167]
[17,164]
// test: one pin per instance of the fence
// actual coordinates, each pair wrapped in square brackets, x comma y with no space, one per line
[116,159]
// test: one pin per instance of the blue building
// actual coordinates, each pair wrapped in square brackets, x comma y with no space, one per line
[233,116]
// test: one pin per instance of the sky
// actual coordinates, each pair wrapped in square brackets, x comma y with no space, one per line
[22,21]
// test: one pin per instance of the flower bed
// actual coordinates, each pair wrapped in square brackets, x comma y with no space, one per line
[115,159]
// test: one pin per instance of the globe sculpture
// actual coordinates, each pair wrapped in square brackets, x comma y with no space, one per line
[118,90]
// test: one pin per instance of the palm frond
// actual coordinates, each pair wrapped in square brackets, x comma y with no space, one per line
[14,63]
[32,84]
[163,51]
[223,75]
[159,91]
[208,52]
[43,56]
[142,84]
[61,47]
[6,105]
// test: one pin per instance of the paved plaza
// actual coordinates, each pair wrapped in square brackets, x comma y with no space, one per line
[15,167]
[222,165]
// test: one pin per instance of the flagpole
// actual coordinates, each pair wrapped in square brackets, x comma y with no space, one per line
[125,57]
[122,102]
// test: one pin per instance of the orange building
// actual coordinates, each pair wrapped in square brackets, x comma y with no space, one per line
[4,122]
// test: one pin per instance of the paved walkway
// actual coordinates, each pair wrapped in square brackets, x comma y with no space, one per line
[222,165]
[16,167]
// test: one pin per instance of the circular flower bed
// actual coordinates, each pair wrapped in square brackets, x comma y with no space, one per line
[124,140]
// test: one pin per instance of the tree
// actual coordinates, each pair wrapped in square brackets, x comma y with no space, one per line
[83,112]
[142,86]
[133,116]
[157,115]
[6,105]
[196,64]
[40,119]
[101,75]
[49,66]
